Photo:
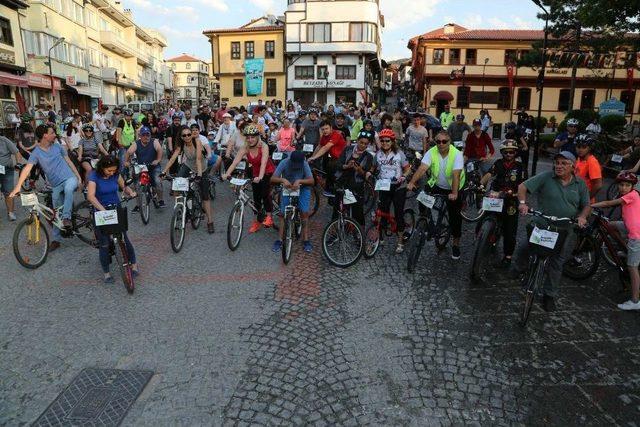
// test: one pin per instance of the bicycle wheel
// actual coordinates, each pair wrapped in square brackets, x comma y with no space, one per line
[584,260]
[275,198]
[177,229]
[471,206]
[196,210]
[315,201]
[235,226]
[143,204]
[371,240]
[443,232]
[31,242]
[416,243]
[287,241]
[409,223]
[604,251]
[122,257]
[369,197]
[82,223]
[342,242]
[298,225]
[487,229]
[534,281]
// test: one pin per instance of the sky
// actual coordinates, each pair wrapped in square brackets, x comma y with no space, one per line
[182,23]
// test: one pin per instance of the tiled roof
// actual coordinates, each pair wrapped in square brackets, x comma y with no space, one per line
[184,58]
[461,33]
[245,30]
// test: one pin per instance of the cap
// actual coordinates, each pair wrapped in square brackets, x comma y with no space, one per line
[477,122]
[567,155]
[211,133]
[145,131]
[225,115]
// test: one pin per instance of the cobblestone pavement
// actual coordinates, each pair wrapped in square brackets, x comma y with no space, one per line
[236,338]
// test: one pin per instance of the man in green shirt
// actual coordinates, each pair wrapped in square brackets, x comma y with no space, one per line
[447,117]
[559,193]
[357,125]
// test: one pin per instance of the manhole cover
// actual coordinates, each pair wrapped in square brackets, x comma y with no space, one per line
[96,397]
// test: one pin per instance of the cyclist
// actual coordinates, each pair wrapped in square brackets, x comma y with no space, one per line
[629,227]
[286,137]
[559,193]
[8,153]
[294,173]
[89,148]
[102,193]
[257,155]
[356,163]
[342,127]
[458,128]
[631,154]
[190,150]
[331,146]
[374,143]
[587,167]
[391,164]
[310,129]
[125,135]
[417,135]
[446,165]
[508,174]
[357,125]
[478,146]
[566,141]
[511,131]
[446,117]
[148,153]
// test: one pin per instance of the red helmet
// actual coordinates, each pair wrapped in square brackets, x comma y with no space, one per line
[626,176]
[387,133]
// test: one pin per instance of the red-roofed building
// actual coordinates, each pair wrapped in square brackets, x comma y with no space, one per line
[191,81]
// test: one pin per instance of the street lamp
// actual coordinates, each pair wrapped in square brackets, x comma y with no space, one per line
[486,60]
[540,84]
[326,88]
[53,95]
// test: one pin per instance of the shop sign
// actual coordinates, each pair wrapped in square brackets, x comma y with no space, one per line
[612,107]
[7,56]
[40,80]
[325,83]
[10,113]
[71,81]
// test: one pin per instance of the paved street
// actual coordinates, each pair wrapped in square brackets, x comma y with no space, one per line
[237,338]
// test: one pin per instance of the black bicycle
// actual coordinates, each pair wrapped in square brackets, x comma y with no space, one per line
[432,224]
[292,224]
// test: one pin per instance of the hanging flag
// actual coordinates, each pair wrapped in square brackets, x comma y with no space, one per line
[630,79]
[254,72]
[510,75]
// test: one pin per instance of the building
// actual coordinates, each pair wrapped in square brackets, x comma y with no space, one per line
[261,38]
[12,61]
[330,55]
[214,86]
[488,58]
[191,79]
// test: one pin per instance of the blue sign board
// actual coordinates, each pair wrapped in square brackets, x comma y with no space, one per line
[612,107]
[254,71]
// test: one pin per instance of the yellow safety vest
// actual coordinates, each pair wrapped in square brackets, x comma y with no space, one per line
[435,167]
[128,134]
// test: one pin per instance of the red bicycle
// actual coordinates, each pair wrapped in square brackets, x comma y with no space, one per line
[385,224]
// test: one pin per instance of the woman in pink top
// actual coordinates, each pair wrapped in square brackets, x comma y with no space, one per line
[286,137]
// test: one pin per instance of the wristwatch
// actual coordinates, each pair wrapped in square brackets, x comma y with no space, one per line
[523,202]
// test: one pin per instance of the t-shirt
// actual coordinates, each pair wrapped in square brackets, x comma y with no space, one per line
[52,162]
[565,201]
[344,130]
[476,147]
[7,149]
[311,131]
[588,169]
[507,176]
[338,142]
[283,170]
[89,148]
[416,135]
[390,165]
[631,213]
[570,145]
[458,164]
[286,142]
[106,188]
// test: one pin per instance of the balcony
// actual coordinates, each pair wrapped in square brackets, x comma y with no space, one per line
[111,41]
[144,58]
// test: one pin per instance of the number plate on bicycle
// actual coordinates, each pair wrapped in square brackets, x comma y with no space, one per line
[544,238]
[109,217]
[426,199]
[238,181]
[180,184]
[383,185]
[30,199]
[1,170]
[290,193]
[491,204]
[616,158]
[241,166]
[348,198]
[307,148]
[276,155]
[470,167]
[140,168]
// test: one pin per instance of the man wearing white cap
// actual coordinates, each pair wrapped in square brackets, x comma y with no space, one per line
[226,129]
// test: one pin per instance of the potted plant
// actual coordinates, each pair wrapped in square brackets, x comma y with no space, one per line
[552,123]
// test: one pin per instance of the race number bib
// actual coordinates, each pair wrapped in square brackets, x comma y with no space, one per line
[544,238]
[290,193]
[307,148]
[426,199]
[383,185]
[140,168]
[238,181]
[1,170]
[30,199]
[470,167]
[491,204]
[616,158]
[276,155]
[528,131]
[109,217]
[241,166]
[348,198]
[458,144]
[180,184]
[94,162]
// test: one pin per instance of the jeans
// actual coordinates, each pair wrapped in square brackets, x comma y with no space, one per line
[62,194]
[103,248]
[121,156]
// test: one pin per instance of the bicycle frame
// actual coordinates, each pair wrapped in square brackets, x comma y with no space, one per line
[608,232]
[440,208]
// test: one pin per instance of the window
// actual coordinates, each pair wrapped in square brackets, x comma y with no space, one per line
[91,19]
[462,100]
[5,32]
[188,66]
[235,50]
[79,17]
[345,72]
[470,56]
[510,56]
[524,98]
[94,57]
[249,50]
[323,72]
[104,25]
[269,49]
[187,93]
[629,100]
[362,32]
[355,32]
[237,87]
[438,56]
[588,99]
[504,98]
[318,33]
[271,87]
[454,56]
[304,72]
[563,100]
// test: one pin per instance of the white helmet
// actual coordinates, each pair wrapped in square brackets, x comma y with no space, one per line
[573,122]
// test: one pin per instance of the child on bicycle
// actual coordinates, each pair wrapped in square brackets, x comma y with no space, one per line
[294,173]
[630,226]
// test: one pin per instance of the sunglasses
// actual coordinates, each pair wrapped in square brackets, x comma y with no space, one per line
[509,152]
[442,141]
[385,140]
[89,130]
[185,135]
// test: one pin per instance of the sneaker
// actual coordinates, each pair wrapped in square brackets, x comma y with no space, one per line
[12,216]
[327,193]
[629,305]
[54,246]
[255,227]
[277,246]
[162,204]
[399,248]
[548,303]
[268,221]
[135,273]
[136,209]
[308,247]
[210,228]
[109,280]
[455,252]
[66,223]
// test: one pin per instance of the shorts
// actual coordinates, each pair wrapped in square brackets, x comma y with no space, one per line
[7,180]
[304,201]
[633,254]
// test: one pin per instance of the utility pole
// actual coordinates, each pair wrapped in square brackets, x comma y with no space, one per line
[53,93]
[540,84]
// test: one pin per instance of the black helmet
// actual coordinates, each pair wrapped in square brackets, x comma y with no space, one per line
[510,126]
[87,127]
[585,140]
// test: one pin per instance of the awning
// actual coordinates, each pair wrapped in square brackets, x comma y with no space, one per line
[91,91]
[13,80]
[443,95]
[40,80]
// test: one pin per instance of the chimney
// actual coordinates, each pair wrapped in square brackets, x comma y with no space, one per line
[450,28]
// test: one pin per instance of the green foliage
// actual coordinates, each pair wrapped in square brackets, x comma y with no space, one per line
[546,140]
[584,116]
[543,120]
[612,123]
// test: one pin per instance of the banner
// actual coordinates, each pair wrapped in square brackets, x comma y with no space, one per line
[630,79]
[254,72]
[510,75]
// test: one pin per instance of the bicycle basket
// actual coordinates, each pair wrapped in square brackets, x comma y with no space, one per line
[120,227]
[550,240]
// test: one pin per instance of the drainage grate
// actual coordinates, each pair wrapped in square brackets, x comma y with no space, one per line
[96,397]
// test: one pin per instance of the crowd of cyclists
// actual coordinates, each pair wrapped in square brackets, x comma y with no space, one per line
[354,148]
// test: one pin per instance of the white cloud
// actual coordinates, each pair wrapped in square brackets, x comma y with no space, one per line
[177,35]
[264,5]
[219,5]
[402,13]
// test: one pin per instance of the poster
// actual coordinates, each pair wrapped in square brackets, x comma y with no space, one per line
[10,114]
[254,72]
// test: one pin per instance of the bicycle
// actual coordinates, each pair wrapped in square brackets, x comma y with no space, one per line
[36,234]
[146,191]
[544,243]
[188,206]
[342,240]
[235,223]
[36,180]
[473,194]
[428,228]
[292,223]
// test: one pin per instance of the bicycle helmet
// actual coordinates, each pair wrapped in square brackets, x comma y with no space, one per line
[176,116]
[510,126]
[128,112]
[144,130]
[365,134]
[87,127]
[573,122]
[584,140]
[26,118]
[302,113]
[251,130]
[626,176]
[387,133]
[313,111]
[508,144]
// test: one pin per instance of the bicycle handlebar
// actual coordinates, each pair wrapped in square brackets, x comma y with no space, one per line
[551,218]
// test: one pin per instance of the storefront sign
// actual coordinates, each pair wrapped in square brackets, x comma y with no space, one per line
[612,107]
[10,114]
[40,80]
[7,56]
[556,71]
[325,83]
[254,72]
